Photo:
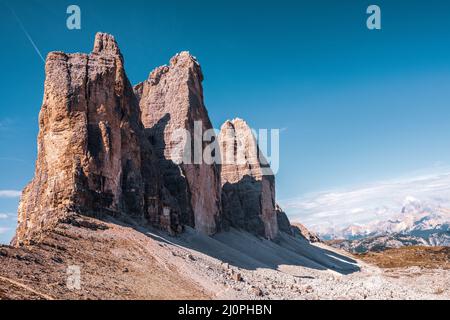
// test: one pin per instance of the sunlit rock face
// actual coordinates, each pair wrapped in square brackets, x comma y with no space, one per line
[92,154]
[248,192]
[172,100]
[106,149]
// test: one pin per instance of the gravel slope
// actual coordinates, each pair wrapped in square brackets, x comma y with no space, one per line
[121,262]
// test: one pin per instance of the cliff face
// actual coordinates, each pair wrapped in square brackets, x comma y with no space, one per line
[105,148]
[248,195]
[172,100]
[92,157]
[284,224]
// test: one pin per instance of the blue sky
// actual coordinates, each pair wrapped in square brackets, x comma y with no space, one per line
[356,105]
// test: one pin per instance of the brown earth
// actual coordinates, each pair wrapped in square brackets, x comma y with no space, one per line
[415,256]
[118,261]
[115,263]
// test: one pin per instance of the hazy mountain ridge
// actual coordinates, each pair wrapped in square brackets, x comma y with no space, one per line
[417,224]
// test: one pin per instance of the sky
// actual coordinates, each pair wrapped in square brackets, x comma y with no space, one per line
[330,212]
[354,105]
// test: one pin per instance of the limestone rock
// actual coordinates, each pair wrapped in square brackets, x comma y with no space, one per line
[248,193]
[172,100]
[108,149]
[294,229]
[92,154]
[283,221]
[299,230]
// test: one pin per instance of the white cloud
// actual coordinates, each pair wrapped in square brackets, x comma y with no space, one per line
[4,216]
[10,193]
[376,201]
[4,230]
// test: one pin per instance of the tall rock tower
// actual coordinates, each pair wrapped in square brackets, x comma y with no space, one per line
[92,154]
[106,148]
[248,195]
[172,100]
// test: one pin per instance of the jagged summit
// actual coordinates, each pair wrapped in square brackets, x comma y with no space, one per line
[93,157]
[170,100]
[183,61]
[248,194]
[106,44]
[231,124]
[240,152]
[184,57]
[187,61]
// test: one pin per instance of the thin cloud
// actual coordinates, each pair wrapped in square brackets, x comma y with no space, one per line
[12,159]
[376,201]
[10,193]
[8,216]
[26,33]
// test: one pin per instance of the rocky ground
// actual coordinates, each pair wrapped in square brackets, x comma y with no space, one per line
[125,262]
[115,263]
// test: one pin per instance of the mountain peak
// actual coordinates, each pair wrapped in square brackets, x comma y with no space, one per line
[112,151]
[106,44]
[183,56]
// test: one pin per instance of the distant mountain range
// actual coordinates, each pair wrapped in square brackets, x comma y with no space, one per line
[417,224]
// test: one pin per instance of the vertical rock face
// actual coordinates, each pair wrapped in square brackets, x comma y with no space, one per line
[170,100]
[283,221]
[92,157]
[248,195]
[105,148]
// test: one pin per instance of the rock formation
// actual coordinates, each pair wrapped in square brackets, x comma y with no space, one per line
[108,149]
[108,166]
[294,229]
[92,154]
[248,194]
[299,230]
[283,221]
[172,100]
